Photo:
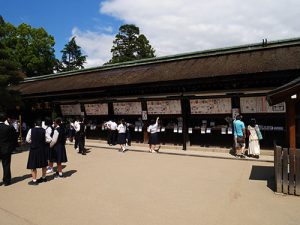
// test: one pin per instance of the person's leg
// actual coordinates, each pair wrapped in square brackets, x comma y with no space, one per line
[34,174]
[59,171]
[6,160]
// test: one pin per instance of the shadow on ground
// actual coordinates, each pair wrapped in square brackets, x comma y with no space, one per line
[263,173]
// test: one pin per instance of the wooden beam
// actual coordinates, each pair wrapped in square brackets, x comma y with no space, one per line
[291,123]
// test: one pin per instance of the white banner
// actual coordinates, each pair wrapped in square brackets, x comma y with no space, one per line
[96,109]
[260,105]
[127,108]
[71,110]
[211,106]
[164,107]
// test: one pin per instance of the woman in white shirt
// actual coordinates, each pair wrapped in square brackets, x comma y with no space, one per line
[153,135]
[122,135]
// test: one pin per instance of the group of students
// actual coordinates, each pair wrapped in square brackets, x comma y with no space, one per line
[120,134]
[241,133]
[47,146]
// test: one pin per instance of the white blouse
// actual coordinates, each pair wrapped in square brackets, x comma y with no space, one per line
[121,128]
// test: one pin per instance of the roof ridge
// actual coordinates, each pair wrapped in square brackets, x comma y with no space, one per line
[176,57]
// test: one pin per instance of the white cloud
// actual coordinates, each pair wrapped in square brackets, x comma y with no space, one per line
[95,45]
[178,26]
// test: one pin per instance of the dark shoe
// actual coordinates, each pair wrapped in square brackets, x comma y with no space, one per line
[7,183]
[83,153]
[242,156]
[41,180]
[33,183]
[57,176]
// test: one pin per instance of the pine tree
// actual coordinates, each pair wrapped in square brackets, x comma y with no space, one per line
[9,73]
[72,58]
[130,45]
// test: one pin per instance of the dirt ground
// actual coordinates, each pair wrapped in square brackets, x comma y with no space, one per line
[138,188]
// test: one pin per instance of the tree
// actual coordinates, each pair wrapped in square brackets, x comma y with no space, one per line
[9,73]
[130,45]
[33,49]
[72,58]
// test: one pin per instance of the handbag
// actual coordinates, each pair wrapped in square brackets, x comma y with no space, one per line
[258,133]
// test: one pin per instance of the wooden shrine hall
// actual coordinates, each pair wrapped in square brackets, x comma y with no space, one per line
[196,95]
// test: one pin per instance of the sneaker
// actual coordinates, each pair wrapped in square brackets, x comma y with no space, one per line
[57,176]
[34,183]
[41,180]
[49,170]
[77,149]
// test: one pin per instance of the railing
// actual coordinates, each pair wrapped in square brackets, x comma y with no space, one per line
[287,170]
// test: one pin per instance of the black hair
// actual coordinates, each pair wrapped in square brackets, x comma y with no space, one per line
[252,122]
[48,121]
[2,117]
[152,122]
[58,121]
[38,122]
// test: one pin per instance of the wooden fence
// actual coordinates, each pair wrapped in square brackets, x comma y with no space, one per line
[287,170]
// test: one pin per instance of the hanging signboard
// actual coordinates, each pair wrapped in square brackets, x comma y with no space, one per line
[96,109]
[164,107]
[71,110]
[127,108]
[260,105]
[211,106]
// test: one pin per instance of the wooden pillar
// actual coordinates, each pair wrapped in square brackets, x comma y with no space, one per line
[291,124]
[185,109]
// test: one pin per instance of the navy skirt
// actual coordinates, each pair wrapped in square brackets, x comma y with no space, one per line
[37,158]
[58,153]
[121,138]
[153,139]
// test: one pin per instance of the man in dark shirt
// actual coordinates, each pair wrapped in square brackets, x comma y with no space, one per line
[6,147]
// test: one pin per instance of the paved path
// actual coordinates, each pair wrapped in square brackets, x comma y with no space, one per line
[138,188]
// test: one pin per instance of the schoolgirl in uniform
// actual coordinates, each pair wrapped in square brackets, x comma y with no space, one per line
[49,131]
[37,137]
[122,135]
[58,149]
[153,135]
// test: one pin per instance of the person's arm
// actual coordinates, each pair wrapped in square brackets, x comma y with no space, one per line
[48,135]
[54,138]
[28,136]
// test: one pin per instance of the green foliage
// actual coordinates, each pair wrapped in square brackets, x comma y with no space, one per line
[31,48]
[130,45]
[72,58]
[9,72]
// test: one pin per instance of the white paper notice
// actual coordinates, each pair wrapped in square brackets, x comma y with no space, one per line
[208,130]
[190,130]
[163,129]
[223,130]
[202,130]
[229,131]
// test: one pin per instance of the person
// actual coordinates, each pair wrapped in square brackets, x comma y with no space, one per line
[153,136]
[76,126]
[37,137]
[6,147]
[81,137]
[49,132]
[254,147]
[239,136]
[58,149]
[122,135]
[129,131]
[111,125]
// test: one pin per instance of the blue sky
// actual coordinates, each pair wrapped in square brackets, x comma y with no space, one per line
[58,17]
[172,26]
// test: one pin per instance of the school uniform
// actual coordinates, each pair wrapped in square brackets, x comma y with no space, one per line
[58,149]
[49,132]
[81,139]
[6,147]
[121,134]
[153,137]
[37,154]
